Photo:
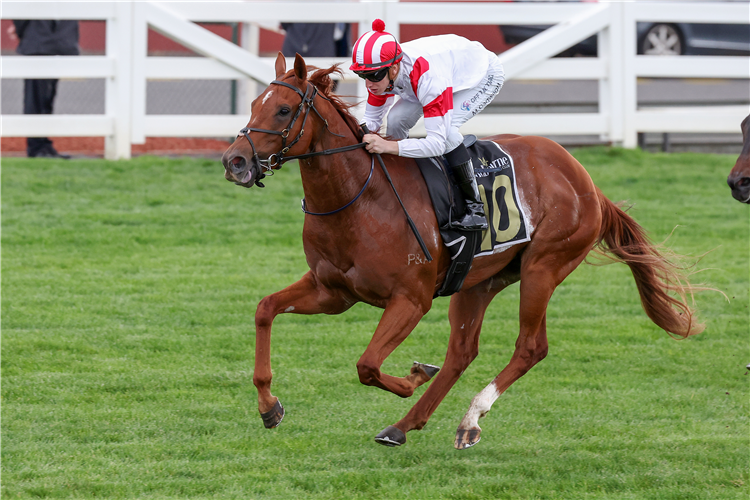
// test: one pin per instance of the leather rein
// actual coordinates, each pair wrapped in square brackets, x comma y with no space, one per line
[276,160]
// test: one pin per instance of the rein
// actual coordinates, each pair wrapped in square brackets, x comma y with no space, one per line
[304,205]
[279,159]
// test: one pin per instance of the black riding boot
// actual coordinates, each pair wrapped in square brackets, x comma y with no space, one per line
[474,218]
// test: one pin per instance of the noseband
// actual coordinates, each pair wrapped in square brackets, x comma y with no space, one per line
[276,160]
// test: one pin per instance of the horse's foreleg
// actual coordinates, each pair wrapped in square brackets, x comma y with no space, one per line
[466,314]
[303,297]
[400,317]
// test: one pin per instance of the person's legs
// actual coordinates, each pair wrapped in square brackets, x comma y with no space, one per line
[401,118]
[474,218]
[468,103]
[38,97]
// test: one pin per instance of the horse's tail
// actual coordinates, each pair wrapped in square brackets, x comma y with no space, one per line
[662,284]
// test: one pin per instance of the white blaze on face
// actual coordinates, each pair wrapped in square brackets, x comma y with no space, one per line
[267,96]
[480,405]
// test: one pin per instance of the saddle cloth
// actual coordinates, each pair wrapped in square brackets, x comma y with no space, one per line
[507,219]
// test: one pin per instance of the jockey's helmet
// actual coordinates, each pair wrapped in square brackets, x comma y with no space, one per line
[375,50]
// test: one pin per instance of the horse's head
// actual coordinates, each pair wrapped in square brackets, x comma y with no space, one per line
[739,177]
[275,129]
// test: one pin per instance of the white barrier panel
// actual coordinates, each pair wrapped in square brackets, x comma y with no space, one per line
[57,125]
[707,119]
[57,67]
[126,67]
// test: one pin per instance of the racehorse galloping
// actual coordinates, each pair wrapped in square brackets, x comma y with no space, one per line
[367,253]
[739,177]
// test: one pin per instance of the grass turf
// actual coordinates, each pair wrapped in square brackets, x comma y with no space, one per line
[129,290]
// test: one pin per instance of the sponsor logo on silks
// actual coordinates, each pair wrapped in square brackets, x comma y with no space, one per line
[500,163]
[496,165]
[466,106]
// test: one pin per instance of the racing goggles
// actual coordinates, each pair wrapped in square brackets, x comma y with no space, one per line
[373,76]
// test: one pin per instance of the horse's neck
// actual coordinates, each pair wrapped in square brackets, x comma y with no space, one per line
[332,181]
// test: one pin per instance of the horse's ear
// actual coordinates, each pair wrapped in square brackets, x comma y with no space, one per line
[280,65]
[300,68]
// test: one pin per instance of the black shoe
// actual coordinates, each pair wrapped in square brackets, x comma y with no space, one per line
[50,154]
[473,220]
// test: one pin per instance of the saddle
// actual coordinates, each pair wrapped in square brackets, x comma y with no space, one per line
[507,219]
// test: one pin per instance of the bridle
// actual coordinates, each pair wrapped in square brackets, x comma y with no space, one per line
[276,160]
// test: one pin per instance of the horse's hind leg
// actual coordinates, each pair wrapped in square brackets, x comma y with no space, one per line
[539,278]
[466,314]
[306,296]
[531,347]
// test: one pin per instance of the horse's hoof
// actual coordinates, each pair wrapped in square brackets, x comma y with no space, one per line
[391,436]
[466,438]
[429,370]
[273,417]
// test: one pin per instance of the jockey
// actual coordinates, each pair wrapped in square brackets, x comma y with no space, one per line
[429,75]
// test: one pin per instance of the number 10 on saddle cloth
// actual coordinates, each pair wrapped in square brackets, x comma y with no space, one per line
[495,175]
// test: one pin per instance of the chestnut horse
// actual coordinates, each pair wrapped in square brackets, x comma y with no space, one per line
[364,251]
[739,177]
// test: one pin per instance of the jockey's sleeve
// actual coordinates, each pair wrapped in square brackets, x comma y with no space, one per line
[376,109]
[436,97]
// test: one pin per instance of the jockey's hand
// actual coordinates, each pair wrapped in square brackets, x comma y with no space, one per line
[376,144]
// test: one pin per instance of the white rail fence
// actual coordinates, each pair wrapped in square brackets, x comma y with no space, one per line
[126,67]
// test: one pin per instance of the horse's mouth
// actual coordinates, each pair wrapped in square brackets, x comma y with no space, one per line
[742,195]
[247,179]
[242,172]
[740,187]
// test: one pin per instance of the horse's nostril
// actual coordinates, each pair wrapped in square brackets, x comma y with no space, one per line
[741,183]
[237,163]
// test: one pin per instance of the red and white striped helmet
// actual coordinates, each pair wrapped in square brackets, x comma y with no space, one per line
[375,49]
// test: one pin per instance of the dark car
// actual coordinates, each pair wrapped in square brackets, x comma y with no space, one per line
[660,39]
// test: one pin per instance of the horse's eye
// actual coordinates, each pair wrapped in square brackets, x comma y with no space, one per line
[284,111]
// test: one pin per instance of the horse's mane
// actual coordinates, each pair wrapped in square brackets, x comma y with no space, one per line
[321,78]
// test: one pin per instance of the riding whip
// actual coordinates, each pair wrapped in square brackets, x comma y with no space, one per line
[408,218]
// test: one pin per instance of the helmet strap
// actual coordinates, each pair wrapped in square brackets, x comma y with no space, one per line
[389,88]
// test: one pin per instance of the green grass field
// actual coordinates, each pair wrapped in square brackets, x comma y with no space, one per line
[128,295]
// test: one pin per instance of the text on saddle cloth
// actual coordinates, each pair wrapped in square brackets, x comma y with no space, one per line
[495,174]
[496,179]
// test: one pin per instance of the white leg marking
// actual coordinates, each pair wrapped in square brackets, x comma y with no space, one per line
[479,407]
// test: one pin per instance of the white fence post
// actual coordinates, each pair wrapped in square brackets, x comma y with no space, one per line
[391,19]
[372,11]
[629,98]
[604,51]
[248,88]
[117,88]
[138,80]
[611,88]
